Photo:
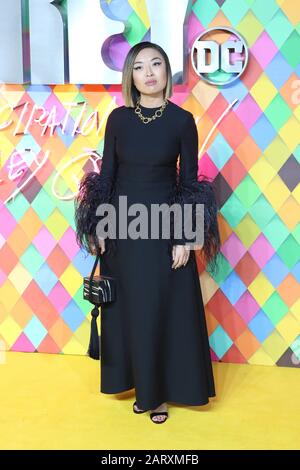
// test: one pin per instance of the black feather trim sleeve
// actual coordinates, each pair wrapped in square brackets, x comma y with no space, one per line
[94,189]
[199,192]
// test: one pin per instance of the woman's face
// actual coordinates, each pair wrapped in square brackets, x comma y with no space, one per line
[149,66]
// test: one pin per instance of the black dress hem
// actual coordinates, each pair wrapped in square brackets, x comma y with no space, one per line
[202,403]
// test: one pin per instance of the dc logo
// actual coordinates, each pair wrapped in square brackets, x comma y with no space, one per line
[219,55]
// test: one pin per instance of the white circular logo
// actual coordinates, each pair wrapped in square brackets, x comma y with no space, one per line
[219,55]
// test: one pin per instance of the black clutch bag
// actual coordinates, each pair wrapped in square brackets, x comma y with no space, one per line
[98,290]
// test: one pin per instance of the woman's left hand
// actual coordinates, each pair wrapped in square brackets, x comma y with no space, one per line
[180,255]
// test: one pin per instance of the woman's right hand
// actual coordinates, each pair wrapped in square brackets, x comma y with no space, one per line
[93,247]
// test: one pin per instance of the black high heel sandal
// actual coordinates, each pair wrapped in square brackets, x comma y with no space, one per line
[137,412]
[156,413]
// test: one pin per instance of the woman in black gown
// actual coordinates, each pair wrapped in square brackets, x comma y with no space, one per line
[153,336]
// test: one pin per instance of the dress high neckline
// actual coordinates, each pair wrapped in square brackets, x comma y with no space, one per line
[156,107]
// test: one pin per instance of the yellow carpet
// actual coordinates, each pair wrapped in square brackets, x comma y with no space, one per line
[53,402]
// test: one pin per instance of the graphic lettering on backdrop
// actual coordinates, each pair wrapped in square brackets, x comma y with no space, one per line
[64,17]
[85,39]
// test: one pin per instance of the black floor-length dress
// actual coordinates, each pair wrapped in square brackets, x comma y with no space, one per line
[154,336]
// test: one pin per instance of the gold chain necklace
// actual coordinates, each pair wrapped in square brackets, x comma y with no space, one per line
[145,119]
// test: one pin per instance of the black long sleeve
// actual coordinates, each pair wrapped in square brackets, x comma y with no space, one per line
[190,190]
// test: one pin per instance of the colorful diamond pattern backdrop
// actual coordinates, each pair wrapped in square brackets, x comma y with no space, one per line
[253,303]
